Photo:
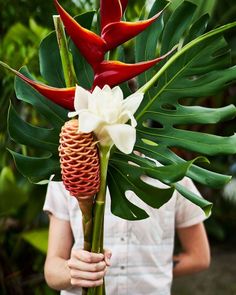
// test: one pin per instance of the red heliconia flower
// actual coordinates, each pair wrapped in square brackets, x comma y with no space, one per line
[61,96]
[111,11]
[113,33]
[93,47]
[108,72]
[79,160]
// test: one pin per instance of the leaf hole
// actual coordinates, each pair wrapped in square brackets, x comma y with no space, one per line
[168,106]
[149,142]
[152,124]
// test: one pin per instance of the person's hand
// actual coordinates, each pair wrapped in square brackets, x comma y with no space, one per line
[88,269]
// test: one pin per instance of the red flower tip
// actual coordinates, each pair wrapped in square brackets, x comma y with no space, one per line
[114,72]
[61,96]
[111,11]
[91,46]
[118,32]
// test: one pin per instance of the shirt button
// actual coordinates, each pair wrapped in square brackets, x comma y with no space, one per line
[122,267]
[122,239]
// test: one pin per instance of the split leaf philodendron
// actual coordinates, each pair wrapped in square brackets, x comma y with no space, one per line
[200,66]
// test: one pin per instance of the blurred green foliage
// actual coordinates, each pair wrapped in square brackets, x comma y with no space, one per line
[24,24]
[21,265]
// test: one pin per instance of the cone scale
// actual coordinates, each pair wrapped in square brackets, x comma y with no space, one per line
[79,162]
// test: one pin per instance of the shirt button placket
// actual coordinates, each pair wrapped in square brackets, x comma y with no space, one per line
[123,265]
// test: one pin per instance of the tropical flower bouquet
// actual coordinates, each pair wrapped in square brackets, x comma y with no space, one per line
[111,139]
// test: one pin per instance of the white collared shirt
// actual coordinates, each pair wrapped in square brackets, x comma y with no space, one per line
[141,250]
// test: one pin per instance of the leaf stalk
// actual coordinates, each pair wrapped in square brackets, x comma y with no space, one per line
[67,65]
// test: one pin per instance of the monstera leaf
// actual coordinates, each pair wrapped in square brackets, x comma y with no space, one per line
[45,140]
[199,67]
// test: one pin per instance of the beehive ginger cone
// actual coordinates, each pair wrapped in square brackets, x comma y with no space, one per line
[79,161]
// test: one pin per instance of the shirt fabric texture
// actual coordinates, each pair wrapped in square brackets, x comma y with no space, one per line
[141,250]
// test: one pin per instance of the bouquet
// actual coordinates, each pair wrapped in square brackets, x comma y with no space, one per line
[113,104]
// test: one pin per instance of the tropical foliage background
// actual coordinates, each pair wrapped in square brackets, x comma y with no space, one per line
[23,227]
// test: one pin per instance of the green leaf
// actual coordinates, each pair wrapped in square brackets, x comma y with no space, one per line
[198,57]
[120,205]
[205,144]
[37,238]
[176,25]
[50,61]
[166,174]
[30,135]
[127,173]
[202,203]
[167,157]
[37,168]
[12,196]
[45,140]
[199,68]
[197,29]
[130,172]
[178,114]
[146,42]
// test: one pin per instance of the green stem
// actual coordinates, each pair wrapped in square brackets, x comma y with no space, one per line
[97,241]
[100,201]
[97,4]
[67,65]
[86,208]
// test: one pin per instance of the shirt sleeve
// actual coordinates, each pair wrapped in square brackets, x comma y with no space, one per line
[56,201]
[187,213]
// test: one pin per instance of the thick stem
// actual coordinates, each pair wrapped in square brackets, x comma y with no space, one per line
[100,202]
[97,4]
[97,242]
[67,65]
[87,212]
[86,208]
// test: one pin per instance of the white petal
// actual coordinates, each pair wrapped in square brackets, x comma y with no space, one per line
[132,102]
[88,122]
[103,136]
[106,88]
[123,136]
[97,90]
[92,103]
[72,114]
[127,115]
[106,104]
[81,98]
[117,93]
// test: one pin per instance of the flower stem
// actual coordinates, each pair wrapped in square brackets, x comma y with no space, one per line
[100,202]
[97,4]
[97,241]
[86,208]
[67,65]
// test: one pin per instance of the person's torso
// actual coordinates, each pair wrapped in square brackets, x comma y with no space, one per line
[142,250]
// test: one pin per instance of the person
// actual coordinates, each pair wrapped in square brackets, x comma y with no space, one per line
[142,251]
